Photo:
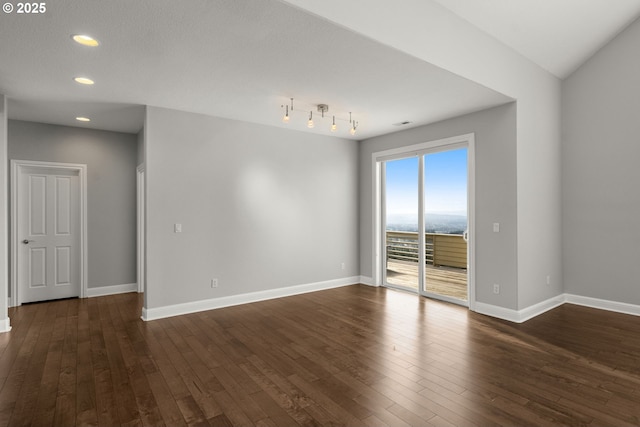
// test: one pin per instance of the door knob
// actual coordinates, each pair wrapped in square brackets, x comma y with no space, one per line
[27,241]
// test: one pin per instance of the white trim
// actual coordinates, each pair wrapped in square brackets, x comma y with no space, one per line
[422,254]
[418,149]
[211,304]
[140,226]
[366,280]
[618,307]
[516,316]
[471,220]
[497,312]
[539,308]
[111,290]
[519,316]
[16,166]
[5,325]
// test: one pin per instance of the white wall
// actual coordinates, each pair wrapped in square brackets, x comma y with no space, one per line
[111,190]
[601,173]
[428,31]
[495,178]
[261,207]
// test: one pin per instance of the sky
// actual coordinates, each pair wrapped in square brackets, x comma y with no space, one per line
[445,184]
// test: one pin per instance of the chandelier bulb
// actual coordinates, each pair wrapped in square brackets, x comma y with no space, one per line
[333,126]
[310,122]
[285,119]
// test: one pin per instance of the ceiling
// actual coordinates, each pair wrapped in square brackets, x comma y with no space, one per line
[245,59]
[558,35]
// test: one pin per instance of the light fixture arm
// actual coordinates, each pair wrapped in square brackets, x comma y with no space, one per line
[322,109]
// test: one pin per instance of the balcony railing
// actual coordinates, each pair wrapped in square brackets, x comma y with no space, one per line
[448,250]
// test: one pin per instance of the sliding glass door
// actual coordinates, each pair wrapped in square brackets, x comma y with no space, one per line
[402,223]
[446,224]
[424,207]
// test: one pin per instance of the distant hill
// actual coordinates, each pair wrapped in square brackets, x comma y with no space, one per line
[434,223]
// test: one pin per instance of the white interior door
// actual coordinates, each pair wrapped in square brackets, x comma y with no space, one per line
[48,234]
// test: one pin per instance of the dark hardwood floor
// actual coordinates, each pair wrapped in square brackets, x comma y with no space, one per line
[356,355]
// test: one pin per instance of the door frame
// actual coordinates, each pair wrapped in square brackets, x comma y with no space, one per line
[17,167]
[418,150]
[141,224]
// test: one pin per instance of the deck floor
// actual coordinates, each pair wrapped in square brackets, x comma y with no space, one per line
[447,281]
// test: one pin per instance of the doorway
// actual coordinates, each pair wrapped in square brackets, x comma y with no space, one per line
[425,219]
[48,231]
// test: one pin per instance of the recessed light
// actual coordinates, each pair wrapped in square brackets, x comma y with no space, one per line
[83,119]
[83,80]
[85,40]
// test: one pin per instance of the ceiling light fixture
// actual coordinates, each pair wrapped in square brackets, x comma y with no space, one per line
[285,119]
[85,40]
[354,125]
[83,80]
[322,109]
[352,131]
[83,119]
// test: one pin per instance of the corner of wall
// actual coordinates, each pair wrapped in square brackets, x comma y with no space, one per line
[4,216]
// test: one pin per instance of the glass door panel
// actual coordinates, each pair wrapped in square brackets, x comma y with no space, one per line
[401,201]
[445,224]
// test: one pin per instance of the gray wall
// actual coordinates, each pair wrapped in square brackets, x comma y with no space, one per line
[140,147]
[601,173]
[111,188]
[260,207]
[4,217]
[495,139]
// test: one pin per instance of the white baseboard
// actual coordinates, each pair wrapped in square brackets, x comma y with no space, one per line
[519,316]
[497,311]
[619,307]
[111,290]
[210,304]
[516,316]
[5,325]
[539,308]
[366,280]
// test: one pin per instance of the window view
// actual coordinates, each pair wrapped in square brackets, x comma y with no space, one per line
[402,222]
[445,220]
[445,224]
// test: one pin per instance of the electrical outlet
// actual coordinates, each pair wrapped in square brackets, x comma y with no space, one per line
[214,283]
[496,288]
[548,280]
[343,265]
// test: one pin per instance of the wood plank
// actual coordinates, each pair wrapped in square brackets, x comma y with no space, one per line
[445,281]
[355,355]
